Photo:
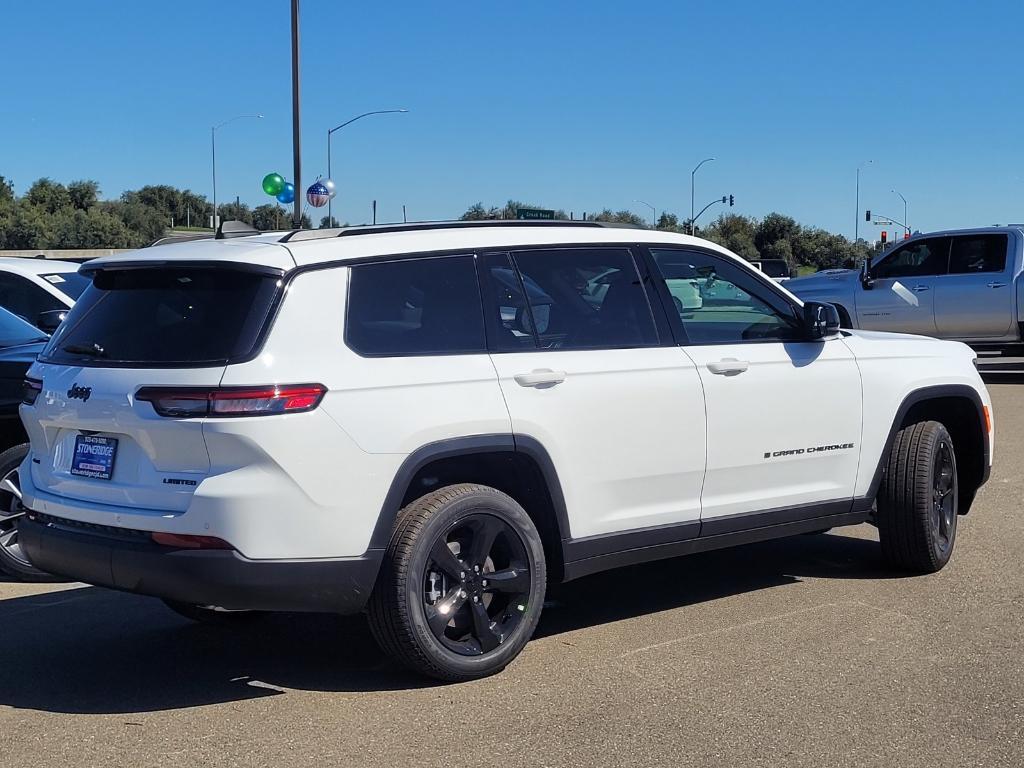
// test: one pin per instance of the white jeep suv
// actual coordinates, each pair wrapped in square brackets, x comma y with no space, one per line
[432,421]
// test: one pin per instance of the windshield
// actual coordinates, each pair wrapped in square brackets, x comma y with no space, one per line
[14,330]
[71,284]
[185,316]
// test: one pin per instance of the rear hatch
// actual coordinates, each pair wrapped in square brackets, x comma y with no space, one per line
[165,326]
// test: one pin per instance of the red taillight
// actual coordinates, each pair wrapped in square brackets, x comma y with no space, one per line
[30,390]
[192,402]
[188,541]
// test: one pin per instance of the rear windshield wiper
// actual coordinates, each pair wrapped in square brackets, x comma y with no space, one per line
[93,350]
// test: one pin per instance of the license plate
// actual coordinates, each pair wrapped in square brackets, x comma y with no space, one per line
[94,456]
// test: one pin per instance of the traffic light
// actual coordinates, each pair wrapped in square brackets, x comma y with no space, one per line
[885,236]
[732,201]
[867,215]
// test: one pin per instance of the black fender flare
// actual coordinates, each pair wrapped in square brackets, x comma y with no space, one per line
[464,446]
[919,396]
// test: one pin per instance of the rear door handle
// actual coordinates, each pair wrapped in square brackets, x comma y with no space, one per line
[729,366]
[922,288]
[997,285]
[541,377]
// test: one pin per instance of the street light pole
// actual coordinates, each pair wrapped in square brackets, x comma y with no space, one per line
[717,200]
[213,158]
[692,174]
[856,219]
[339,127]
[654,213]
[906,219]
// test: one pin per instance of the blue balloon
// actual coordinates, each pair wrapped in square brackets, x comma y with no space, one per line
[287,194]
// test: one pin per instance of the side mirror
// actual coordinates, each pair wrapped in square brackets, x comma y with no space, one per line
[821,320]
[50,320]
[865,275]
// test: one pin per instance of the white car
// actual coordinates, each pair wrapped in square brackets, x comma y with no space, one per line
[432,421]
[40,291]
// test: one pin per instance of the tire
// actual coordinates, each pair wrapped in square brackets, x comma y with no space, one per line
[13,561]
[917,503]
[212,616]
[470,553]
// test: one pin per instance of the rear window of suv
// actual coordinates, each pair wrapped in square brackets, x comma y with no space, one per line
[186,316]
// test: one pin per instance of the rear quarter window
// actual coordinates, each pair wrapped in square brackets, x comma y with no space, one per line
[419,306]
[165,316]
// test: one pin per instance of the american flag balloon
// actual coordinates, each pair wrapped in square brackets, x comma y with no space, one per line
[317,194]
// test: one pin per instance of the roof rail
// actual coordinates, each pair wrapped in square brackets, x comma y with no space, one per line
[376,229]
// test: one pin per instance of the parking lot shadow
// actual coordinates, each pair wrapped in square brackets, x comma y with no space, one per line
[90,650]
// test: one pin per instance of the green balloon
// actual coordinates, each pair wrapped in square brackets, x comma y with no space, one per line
[273,183]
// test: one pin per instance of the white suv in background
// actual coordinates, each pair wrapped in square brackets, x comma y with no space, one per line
[39,291]
[432,421]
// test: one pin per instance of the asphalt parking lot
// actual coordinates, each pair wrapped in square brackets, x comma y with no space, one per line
[802,652]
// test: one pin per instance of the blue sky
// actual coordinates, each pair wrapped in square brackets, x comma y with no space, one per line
[577,105]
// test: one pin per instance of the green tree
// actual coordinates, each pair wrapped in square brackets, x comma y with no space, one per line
[84,194]
[735,232]
[48,195]
[669,222]
[619,217]
[269,217]
[329,222]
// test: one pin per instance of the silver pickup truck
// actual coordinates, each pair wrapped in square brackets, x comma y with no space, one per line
[963,284]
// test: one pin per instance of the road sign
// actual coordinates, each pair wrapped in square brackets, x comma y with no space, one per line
[534,213]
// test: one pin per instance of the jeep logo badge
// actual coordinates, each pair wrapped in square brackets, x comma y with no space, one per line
[79,393]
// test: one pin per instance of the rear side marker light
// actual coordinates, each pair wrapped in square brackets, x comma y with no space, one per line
[193,402]
[187,541]
[30,390]
[988,419]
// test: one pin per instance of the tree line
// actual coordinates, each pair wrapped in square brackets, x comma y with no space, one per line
[53,215]
[776,236]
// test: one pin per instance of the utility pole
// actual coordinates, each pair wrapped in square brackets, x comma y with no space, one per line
[374,211]
[404,218]
[296,149]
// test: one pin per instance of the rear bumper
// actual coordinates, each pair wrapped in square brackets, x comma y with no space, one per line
[128,561]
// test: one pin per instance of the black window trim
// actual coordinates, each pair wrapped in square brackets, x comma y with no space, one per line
[472,254]
[776,297]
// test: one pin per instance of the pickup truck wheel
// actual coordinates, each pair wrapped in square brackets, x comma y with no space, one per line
[13,561]
[462,584]
[917,503]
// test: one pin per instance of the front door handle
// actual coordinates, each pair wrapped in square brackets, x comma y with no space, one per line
[921,288]
[997,285]
[729,366]
[541,377]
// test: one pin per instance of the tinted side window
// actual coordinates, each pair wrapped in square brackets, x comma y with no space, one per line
[24,299]
[977,253]
[578,298]
[719,303]
[921,258]
[415,307]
